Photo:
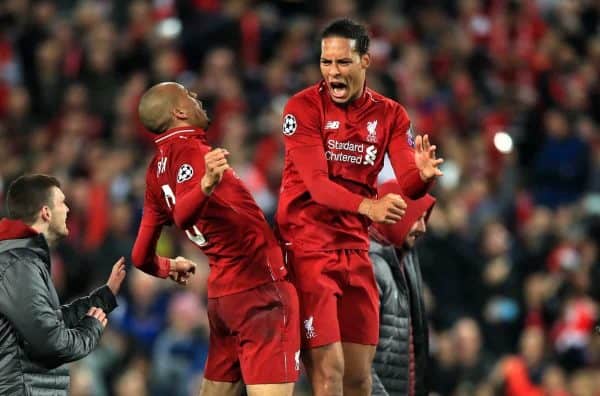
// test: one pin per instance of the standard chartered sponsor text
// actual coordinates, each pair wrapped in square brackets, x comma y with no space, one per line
[332,154]
[348,146]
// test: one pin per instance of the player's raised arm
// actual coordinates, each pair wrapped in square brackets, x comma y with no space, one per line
[426,160]
[415,167]
[197,176]
[215,163]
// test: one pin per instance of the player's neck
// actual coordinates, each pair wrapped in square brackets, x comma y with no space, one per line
[182,124]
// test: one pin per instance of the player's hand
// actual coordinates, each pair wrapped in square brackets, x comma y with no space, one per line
[116,276]
[99,314]
[216,164]
[426,160]
[182,270]
[388,209]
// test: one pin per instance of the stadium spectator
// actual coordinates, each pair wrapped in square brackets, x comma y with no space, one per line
[39,336]
[400,363]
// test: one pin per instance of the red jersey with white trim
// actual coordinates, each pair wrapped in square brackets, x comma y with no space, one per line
[227,225]
[333,154]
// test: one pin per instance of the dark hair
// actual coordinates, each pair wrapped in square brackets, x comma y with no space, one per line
[349,29]
[27,195]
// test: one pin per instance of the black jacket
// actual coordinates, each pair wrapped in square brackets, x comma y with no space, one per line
[37,335]
[401,300]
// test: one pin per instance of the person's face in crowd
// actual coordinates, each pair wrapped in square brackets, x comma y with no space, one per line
[58,209]
[343,68]
[416,231]
[191,107]
[467,341]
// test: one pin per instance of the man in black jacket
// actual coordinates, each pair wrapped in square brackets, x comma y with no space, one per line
[401,356]
[37,334]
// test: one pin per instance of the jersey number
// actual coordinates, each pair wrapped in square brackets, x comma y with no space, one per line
[193,233]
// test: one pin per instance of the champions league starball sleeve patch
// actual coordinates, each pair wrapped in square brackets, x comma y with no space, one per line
[289,125]
[185,173]
[410,136]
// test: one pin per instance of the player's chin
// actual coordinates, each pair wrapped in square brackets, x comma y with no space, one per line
[341,100]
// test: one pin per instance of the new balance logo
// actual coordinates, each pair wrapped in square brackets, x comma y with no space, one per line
[370,156]
[310,330]
[332,125]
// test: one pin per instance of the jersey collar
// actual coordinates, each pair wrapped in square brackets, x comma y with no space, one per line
[176,133]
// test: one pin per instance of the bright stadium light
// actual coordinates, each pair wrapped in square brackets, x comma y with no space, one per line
[503,142]
[169,28]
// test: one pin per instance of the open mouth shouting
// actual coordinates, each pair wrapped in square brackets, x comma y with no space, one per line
[338,89]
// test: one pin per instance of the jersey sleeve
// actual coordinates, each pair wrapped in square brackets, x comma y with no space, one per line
[304,145]
[402,156]
[186,175]
[144,255]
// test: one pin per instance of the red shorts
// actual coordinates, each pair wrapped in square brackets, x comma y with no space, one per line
[254,336]
[338,297]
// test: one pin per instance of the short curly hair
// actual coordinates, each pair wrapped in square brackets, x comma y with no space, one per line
[349,29]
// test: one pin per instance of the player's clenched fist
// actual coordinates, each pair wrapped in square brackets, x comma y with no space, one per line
[388,209]
[181,270]
[216,164]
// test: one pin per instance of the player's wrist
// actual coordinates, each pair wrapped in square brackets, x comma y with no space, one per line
[205,185]
[366,207]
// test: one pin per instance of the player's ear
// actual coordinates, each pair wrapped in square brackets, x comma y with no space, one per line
[45,213]
[365,60]
[179,113]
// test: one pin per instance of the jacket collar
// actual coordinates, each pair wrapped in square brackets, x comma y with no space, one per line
[15,234]
[388,252]
[14,229]
[179,133]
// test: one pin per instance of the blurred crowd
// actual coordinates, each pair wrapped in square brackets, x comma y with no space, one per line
[507,89]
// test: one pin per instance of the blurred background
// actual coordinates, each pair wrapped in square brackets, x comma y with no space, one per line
[507,89]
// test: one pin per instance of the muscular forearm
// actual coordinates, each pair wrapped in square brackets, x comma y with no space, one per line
[407,173]
[143,255]
[312,167]
[188,206]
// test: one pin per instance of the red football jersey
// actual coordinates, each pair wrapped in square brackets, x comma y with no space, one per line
[227,225]
[333,156]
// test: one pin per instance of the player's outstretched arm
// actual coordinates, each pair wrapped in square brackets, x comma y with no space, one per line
[388,209]
[143,254]
[190,202]
[414,162]
[312,167]
[311,164]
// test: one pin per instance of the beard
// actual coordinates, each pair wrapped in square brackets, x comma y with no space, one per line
[56,233]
